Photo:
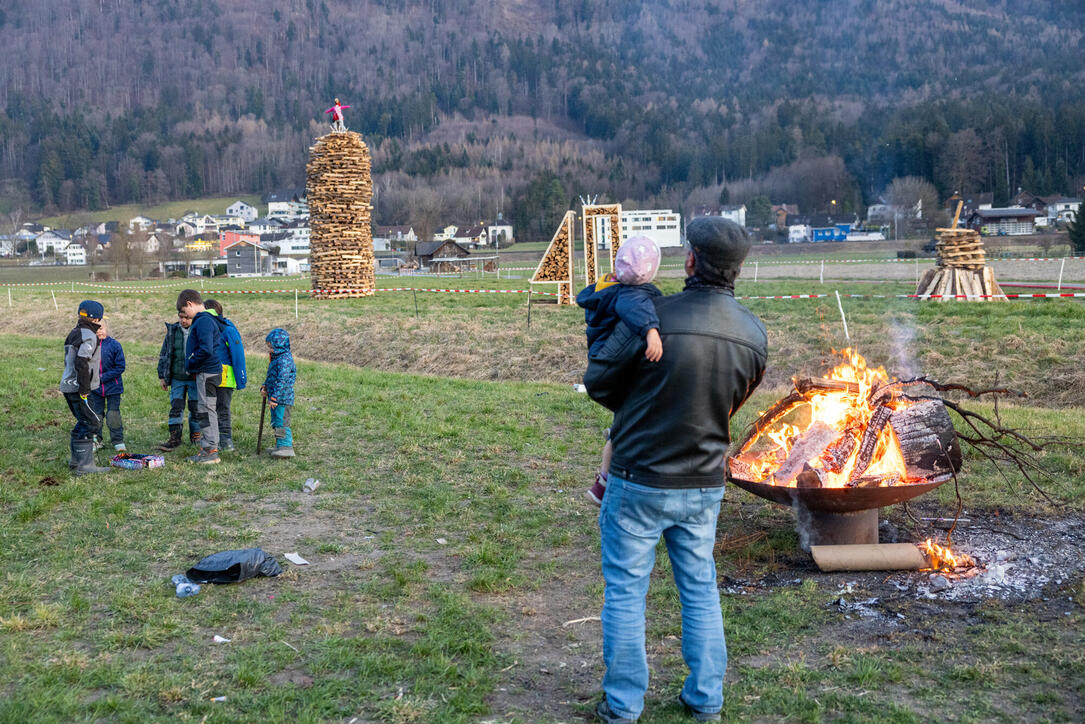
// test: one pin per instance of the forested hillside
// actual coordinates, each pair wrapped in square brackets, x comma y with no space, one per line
[466,102]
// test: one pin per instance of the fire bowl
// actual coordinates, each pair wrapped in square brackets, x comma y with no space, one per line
[839,500]
[837,516]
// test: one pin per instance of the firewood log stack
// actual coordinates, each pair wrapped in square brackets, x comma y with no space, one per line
[614,213]
[556,266]
[962,269]
[339,188]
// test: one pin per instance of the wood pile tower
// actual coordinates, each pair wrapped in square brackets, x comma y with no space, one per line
[961,270]
[556,266]
[592,212]
[339,187]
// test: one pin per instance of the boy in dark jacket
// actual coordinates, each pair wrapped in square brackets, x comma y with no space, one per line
[233,372]
[204,352]
[81,359]
[278,388]
[624,296]
[105,399]
[172,377]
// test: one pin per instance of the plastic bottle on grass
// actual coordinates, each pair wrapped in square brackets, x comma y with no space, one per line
[184,590]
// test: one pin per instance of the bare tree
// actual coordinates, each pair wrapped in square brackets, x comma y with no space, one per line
[915,204]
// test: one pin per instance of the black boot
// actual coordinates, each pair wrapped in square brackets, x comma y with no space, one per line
[175,439]
[84,453]
[73,462]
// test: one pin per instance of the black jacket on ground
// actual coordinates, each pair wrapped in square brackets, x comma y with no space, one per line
[671,418]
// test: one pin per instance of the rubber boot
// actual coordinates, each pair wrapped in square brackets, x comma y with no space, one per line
[84,453]
[175,439]
[73,461]
[280,450]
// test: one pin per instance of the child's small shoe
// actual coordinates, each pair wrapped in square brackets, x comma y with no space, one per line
[598,489]
[120,447]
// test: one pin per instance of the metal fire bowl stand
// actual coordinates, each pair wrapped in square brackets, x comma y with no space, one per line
[839,516]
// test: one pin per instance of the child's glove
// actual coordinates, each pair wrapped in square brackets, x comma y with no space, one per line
[654,353]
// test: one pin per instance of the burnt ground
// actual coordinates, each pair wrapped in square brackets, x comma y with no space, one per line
[1030,569]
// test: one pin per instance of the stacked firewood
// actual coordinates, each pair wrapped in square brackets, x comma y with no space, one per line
[962,270]
[557,263]
[339,188]
[614,213]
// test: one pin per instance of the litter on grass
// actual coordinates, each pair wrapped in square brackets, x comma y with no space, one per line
[234,566]
[296,559]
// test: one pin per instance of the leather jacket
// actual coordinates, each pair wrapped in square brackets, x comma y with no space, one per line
[671,418]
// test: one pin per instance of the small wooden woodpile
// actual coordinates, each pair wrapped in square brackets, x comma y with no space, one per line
[962,270]
[556,266]
[339,188]
[591,211]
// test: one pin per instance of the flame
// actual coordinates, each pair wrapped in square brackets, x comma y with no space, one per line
[944,559]
[845,406]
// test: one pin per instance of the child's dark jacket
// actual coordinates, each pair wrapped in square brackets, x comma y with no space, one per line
[112,368]
[206,348]
[608,302]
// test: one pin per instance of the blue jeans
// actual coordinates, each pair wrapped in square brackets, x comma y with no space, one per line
[631,521]
[179,390]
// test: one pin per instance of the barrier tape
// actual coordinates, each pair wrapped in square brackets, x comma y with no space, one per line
[827,262]
[1057,295]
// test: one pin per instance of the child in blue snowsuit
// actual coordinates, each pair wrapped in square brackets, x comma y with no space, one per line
[278,388]
[105,399]
[624,296]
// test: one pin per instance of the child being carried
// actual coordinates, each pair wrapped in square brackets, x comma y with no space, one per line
[624,296]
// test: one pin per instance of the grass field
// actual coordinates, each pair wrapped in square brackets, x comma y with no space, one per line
[450,549]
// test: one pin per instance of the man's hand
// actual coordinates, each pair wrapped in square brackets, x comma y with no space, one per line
[654,353]
[163,384]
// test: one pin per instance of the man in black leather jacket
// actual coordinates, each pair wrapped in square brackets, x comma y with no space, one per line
[670,436]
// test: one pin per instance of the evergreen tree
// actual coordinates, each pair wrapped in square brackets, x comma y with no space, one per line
[1076,228]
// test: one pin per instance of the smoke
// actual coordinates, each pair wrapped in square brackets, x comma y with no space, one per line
[902,342]
[803,523]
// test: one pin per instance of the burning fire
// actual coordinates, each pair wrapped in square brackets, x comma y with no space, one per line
[943,559]
[829,433]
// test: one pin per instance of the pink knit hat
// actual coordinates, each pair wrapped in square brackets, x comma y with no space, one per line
[637,261]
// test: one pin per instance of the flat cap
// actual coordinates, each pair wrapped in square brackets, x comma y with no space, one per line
[719,245]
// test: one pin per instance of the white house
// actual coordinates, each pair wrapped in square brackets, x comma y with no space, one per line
[446,234]
[240,209]
[75,254]
[266,225]
[500,232]
[53,241]
[296,241]
[1063,209]
[287,204]
[140,222]
[7,245]
[663,226]
[797,233]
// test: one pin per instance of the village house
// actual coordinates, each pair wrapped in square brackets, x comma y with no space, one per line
[241,210]
[287,204]
[53,241]
[247,258]
[500,233]
[1062,209]
[401,236]
[439,250]
[471,237]
[229,237]
[7,245]
[736,214]
[446,233]
[1013,221]
[296,241]
[75,254]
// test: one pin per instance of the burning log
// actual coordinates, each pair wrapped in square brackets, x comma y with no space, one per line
[869,442]
[809,446]
[927,439]
[836,456]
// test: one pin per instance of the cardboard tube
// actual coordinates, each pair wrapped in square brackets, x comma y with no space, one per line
[870,557]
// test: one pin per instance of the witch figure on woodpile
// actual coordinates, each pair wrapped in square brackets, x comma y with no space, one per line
[337,116]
